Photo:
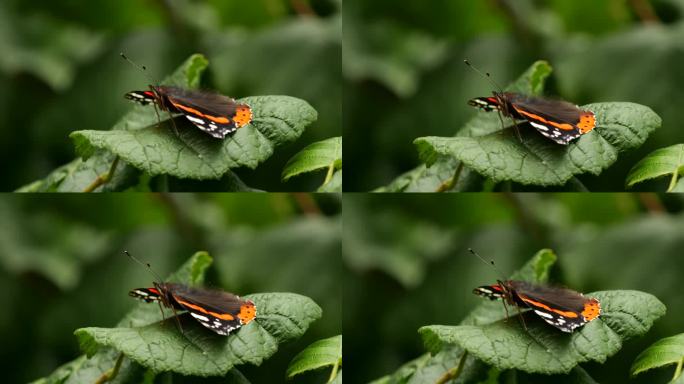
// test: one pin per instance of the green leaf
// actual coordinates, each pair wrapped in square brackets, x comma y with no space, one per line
[147,339]
[192,153]
[82,369]
[161,346]
[79,174]
[322,353]
[434,177]
[180,149]
[501,156]
[431,367]
[663,352]
[320,155]
[661,162]
[505,344]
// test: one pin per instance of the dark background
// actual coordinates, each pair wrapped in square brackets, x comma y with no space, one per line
[60,69]
[407,265]
[62,266]
[404,75]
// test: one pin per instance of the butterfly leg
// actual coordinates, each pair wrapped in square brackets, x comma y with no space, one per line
[505,309]
[515,125]
[522,318]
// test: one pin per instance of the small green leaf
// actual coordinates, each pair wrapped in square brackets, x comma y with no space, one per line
[661,162]
[501,156]
[320,155]
[663,352]
[540,348]
[322,353]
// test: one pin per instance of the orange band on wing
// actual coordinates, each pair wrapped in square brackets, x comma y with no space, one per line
[563,126]
[592,309]
[536,304]
[220,120]
[247,312]
[587,122]
[222,316]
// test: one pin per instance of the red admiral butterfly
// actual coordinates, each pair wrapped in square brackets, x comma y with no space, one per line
[215,114]
[563,308]
[558,120]
[220,311]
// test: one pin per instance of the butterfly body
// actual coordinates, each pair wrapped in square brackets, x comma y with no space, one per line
[213,113]
[563,308]
[558,120]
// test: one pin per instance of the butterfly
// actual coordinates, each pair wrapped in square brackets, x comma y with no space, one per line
[563,308]
[213,113]
[220,311]
[558,120]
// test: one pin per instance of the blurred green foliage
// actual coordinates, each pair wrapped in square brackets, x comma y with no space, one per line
[603,242]
[62,266]
[404,75]
[60,70]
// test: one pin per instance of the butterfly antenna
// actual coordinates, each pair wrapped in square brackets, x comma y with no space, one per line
[490,262]
[140,67]
[147,265]
[497,86]
[485,75]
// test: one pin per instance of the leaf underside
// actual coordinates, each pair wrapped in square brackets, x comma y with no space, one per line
[319,354]
[319,155]
[667,351]
[661,162]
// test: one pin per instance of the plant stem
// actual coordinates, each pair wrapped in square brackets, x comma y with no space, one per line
[673,180]
[453,373]
[111,373]
[449,184]
[329,175]
[678,371]
[335,368]
[103,178]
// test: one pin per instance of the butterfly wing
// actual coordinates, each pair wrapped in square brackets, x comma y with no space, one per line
[563,308]
[220,311]
[216,114]
[142,97]
[558,120]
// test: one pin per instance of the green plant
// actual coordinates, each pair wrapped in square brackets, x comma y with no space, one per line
[322,353]
[661,162]
[486,148]
[140,152]
[485,343]
[664,352]
[145,343]
[326,154]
